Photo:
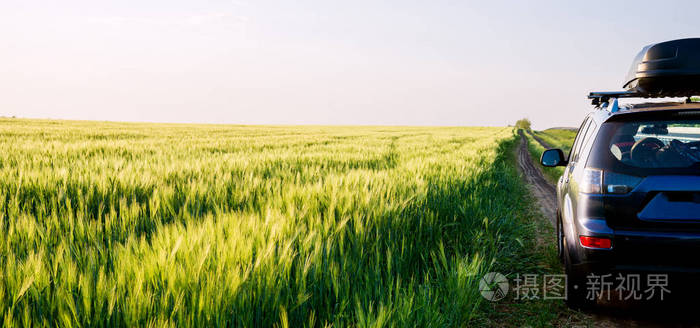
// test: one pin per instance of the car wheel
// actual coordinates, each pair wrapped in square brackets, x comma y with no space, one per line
[560,240]
[576,297]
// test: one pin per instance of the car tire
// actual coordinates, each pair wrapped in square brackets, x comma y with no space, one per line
[576,297]
[560,239]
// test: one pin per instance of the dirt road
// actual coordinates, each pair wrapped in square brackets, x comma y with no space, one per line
[607,315]
[543,191]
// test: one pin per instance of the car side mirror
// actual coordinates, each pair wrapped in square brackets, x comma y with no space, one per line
[552,158]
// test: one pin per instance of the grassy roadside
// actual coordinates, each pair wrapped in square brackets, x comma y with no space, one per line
[557,138]
[552,174]
[536,256]
[554,138]
[543,313]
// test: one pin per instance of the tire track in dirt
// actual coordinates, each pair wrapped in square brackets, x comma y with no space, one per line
[539,140]
[544,192]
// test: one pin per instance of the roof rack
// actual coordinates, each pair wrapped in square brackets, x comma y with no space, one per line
[600,97]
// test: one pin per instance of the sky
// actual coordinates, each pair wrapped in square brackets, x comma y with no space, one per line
[437,62]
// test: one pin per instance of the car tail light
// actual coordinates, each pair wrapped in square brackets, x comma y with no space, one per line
[595,242]
[596,181]
[616,183]
[592,182]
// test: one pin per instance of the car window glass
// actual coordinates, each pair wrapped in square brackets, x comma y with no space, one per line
[586,138]
[657,144]
[577,140]
[579,135]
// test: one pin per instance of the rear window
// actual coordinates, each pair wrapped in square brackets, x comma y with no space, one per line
[656,143]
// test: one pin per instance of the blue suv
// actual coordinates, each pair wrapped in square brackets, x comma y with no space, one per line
[629,198]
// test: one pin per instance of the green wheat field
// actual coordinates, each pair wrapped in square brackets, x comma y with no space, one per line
[126,224]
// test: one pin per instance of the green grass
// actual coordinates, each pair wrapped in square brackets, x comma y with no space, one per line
[558,138]
[554,138]
[109,224]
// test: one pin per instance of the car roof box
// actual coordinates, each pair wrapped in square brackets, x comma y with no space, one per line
[666,69]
